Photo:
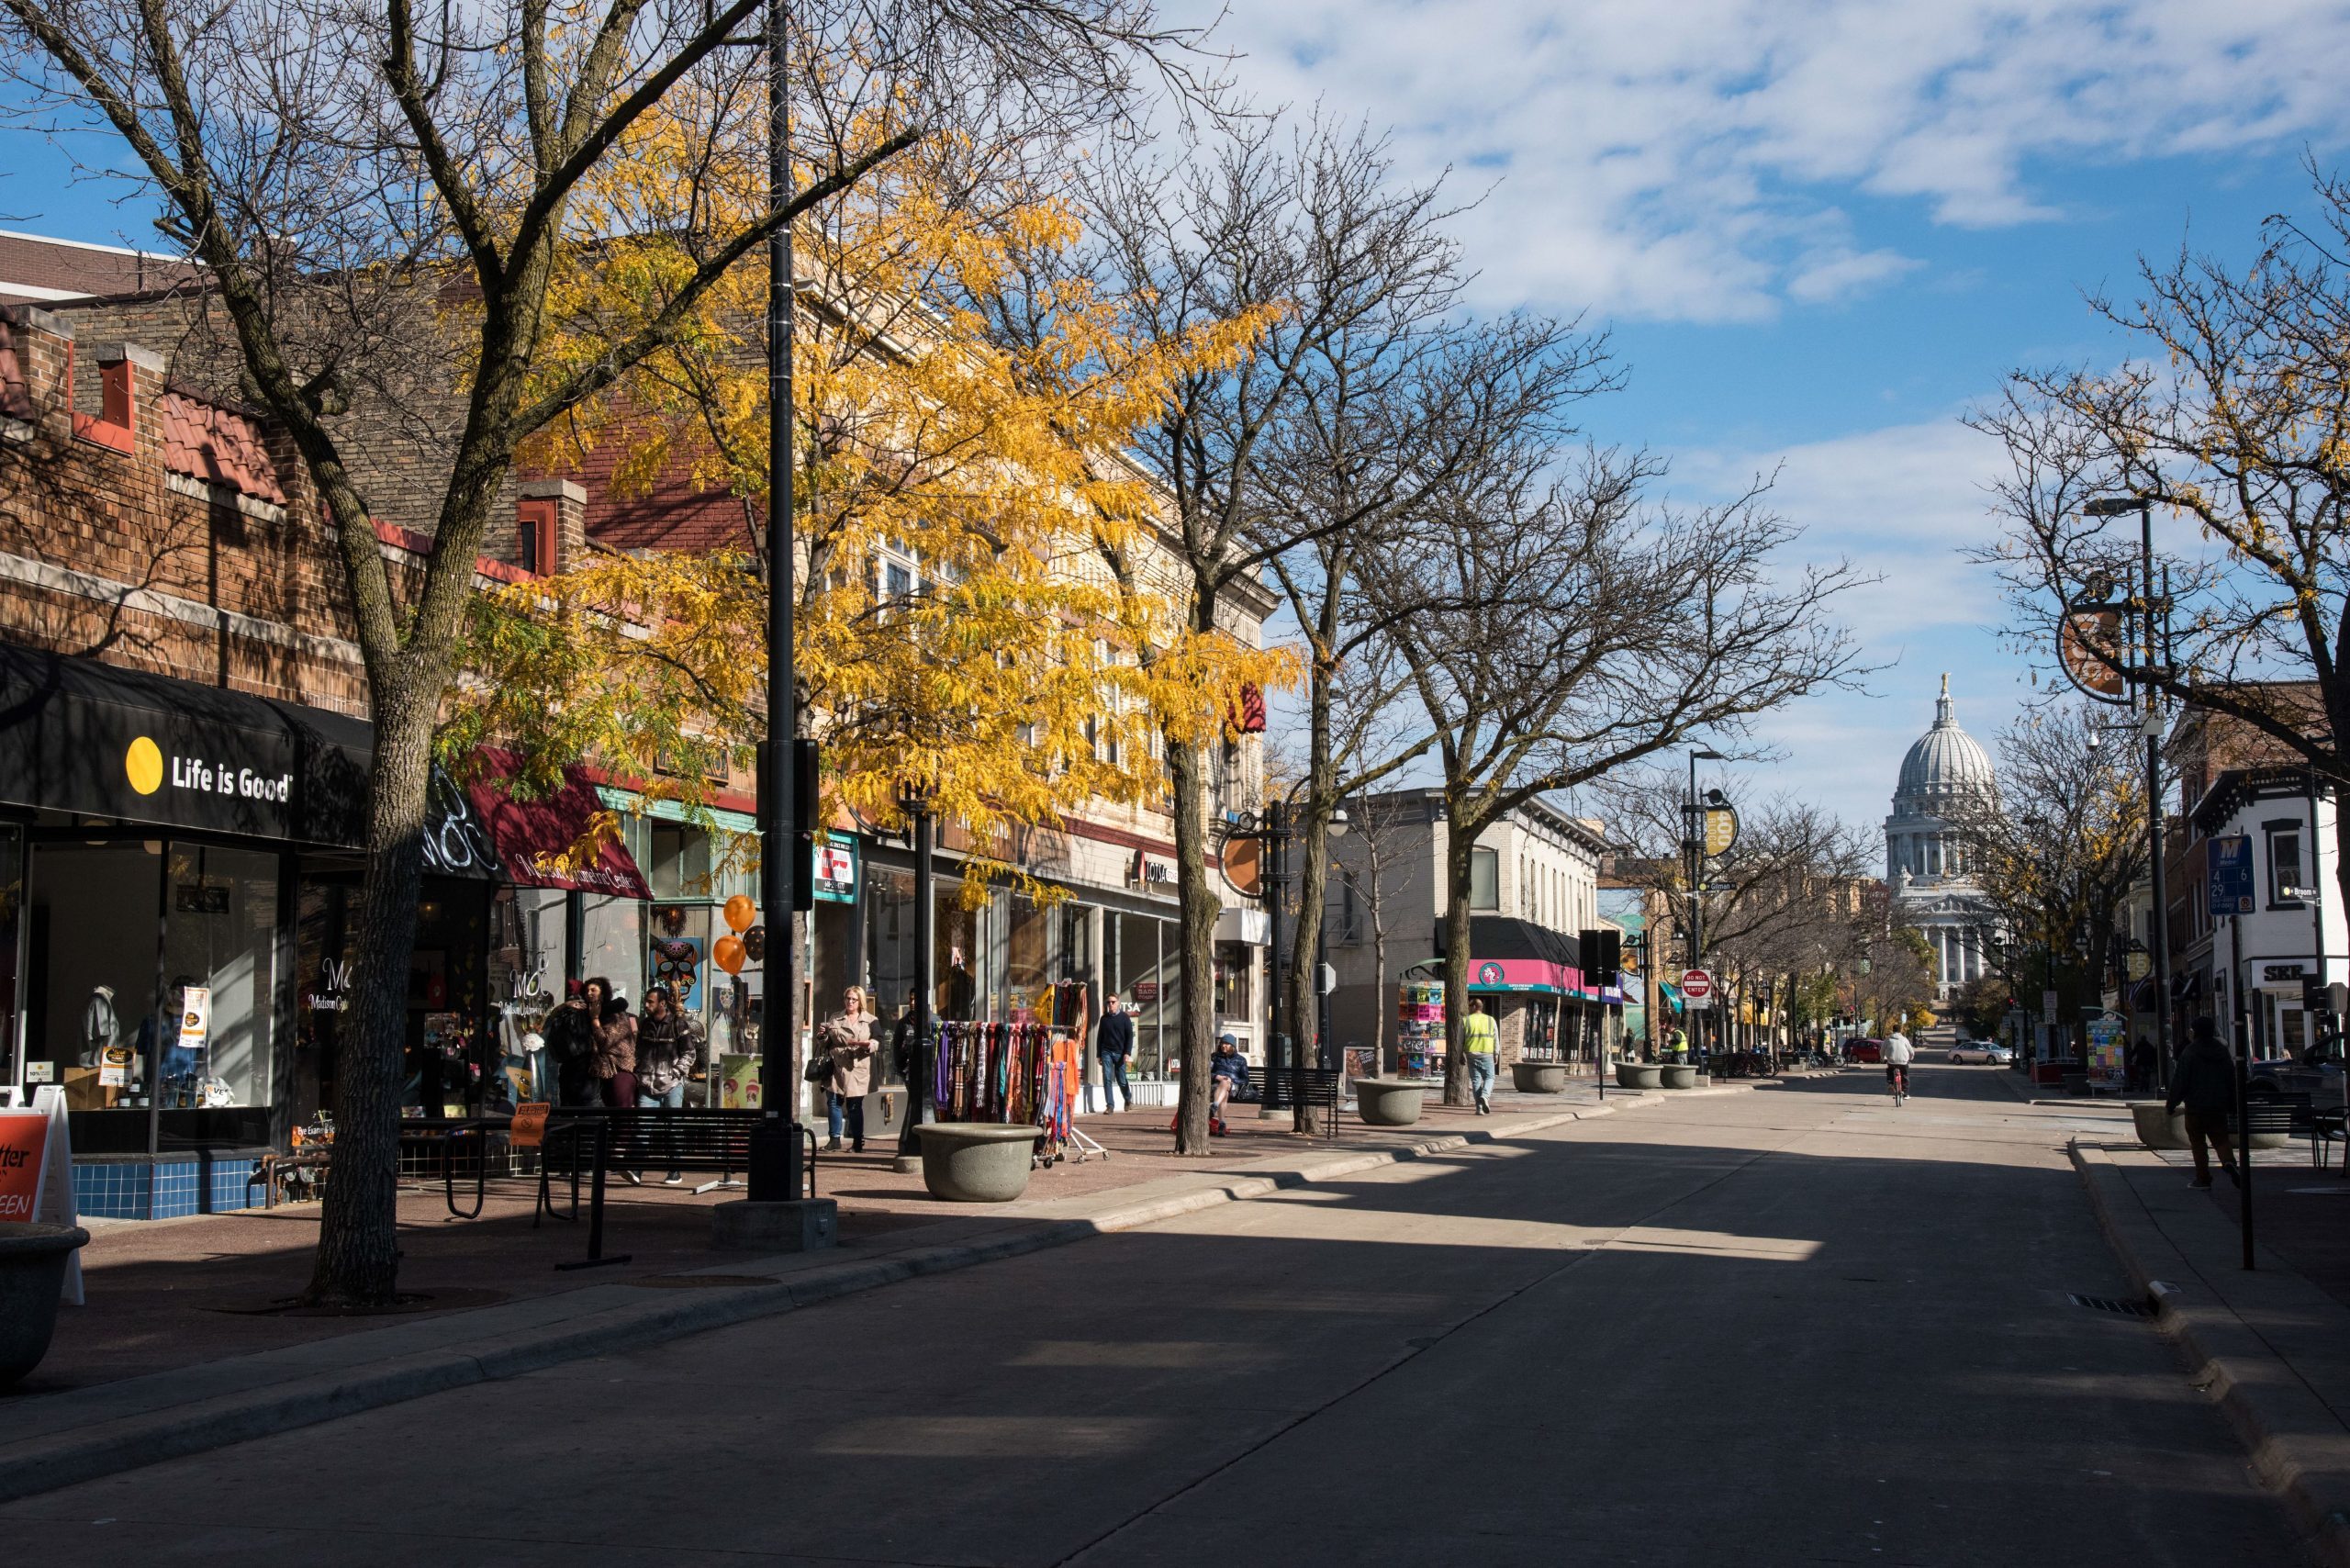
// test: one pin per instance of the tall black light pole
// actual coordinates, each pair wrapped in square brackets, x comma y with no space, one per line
[1694,828]
[2151,723]
[775,1143]
[915,803]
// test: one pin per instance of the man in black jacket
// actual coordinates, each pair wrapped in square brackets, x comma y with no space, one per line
[1113,1042]
[2204,1081]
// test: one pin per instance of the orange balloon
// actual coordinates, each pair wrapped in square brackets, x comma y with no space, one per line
[728,951]
[741,911]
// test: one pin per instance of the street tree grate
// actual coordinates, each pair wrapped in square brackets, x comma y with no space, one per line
[2114,1305]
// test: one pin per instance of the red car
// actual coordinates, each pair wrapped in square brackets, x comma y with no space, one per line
[1865,1050]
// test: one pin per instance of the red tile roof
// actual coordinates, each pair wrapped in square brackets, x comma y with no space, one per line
[218,447]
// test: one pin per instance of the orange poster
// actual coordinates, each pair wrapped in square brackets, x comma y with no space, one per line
[529,1129]
[24,1151]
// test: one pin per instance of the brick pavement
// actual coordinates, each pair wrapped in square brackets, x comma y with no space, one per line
[180,1292]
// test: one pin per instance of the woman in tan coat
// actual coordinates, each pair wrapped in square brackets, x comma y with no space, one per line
[848,1036]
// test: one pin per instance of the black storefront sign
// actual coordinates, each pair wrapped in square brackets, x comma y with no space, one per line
[90,740]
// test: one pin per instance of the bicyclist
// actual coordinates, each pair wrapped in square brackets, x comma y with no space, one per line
[1898,1056]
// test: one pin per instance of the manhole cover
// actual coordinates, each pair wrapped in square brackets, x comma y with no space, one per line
[2113,1305]
[698,1281]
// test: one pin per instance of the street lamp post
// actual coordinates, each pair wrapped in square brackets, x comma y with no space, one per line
[1274,828]
[1694,846]
[2151,726]
[774,1174]
[915,803]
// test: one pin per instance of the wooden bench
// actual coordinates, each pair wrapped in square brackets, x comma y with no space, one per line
[1323,1086]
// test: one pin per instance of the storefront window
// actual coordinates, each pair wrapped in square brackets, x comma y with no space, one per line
[90,945]
[1235,968]
[220,937]
[1142,959]
[1028,953]
[613,942]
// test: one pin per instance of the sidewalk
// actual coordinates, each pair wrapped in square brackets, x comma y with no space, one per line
[172,1358]
[2271,1346]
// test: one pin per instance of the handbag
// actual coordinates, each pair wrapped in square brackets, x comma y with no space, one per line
[818,1069]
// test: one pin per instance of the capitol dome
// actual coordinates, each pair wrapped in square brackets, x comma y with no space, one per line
[1946,760]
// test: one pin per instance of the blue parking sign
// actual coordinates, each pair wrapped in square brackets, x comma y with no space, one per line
[2231,866]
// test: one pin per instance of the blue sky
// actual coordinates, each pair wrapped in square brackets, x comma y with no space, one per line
[1818,230]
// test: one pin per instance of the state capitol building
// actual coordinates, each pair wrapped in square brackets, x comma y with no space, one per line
[1925,861]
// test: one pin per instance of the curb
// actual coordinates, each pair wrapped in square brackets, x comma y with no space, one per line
[192,1425]
[2299,1448]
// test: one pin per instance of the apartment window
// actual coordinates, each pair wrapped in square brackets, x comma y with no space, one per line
[1484,879]
[1351,923]
[2284,863]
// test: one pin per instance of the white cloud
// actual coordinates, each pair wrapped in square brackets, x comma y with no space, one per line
[1676,161]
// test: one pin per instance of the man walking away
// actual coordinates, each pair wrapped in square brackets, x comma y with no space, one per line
[1113,1042]
[1482,1039]
[2204,1081]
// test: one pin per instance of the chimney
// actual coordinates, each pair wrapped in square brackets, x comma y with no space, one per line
[552,518]
[129,377]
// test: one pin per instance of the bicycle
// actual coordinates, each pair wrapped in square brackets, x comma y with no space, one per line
[1896,1079]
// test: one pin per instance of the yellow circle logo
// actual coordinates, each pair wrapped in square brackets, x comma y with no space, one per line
[144,763]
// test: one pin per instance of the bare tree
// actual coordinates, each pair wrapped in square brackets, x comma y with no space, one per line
[383,203]
[2059,846]
[2235,420]
[1572,628]
[1390,410]
[1307,232]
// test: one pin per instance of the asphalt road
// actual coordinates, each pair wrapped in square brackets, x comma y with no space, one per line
[1798,1326]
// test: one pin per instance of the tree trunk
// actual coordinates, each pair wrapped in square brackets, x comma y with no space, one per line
[1186,771]
[1313,894]
[357,1261]
[1456,965]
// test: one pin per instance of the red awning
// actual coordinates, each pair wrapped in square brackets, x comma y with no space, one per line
[537,839]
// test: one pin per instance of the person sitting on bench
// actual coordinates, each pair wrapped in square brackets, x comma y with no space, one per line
[1227,1077]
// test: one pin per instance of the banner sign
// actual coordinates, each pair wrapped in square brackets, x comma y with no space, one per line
[37,1174]
[2231,874]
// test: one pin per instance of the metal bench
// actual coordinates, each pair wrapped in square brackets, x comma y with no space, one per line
[672,1137]
[1278,1088]
[2286,1114]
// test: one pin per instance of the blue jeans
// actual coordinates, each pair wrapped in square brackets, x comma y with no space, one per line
[835,1105]
[1481,1075]
[673,1097]
[1113,1071]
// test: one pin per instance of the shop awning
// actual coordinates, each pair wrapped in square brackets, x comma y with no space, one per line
[92,740]
[547,842]
[1508,955]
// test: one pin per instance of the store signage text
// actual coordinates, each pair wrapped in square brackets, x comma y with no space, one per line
[143,764]
[1151,870]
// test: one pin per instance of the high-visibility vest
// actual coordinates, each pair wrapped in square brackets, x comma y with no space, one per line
[1482,1035]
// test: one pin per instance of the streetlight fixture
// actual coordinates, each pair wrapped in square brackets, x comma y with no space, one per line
[2150,729]
[914,802]
[1693,847]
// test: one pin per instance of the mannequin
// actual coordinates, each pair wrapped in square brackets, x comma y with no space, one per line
[100,1028]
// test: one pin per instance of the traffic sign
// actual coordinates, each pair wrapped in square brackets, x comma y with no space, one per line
[1697,988]
[2231,874]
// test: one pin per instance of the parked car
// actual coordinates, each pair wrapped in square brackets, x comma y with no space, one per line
[1864,1050]
[1982,1050]
[2320,1080]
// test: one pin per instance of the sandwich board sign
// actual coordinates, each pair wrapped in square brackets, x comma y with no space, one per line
[36,1174]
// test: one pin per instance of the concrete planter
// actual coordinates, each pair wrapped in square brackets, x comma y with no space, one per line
[32,1271]
[1640,1075]
[1390,1102]
[1538,1076]
[2158,1127]
[1676,1075]
[975,1162]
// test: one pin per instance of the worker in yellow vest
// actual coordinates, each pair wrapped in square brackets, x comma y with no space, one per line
[1483,1041]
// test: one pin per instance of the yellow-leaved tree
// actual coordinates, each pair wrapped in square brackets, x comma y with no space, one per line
[958,489]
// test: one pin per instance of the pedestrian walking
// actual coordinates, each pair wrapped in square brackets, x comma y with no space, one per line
[614,1056]
[847,1036]
[905,1048]
[668,1048]
[2203,1080]
[570,1036]
[2141,1066]
[1113,1042]
[1482,1037]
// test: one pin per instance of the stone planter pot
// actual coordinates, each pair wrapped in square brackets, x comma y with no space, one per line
[1640,1075]
[1538,1076]
[32,1271]
[2157,1127]
[1390,1102]
[1677,1075]
[975,1162]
